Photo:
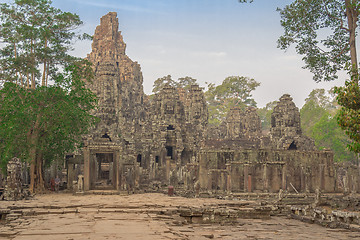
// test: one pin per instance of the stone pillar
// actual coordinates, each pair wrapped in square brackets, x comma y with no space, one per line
[117,169]
[168,163]
[246,177]
[283,182]
[322,177]
[87,167]
[249,188]
[265,178]
[229,186]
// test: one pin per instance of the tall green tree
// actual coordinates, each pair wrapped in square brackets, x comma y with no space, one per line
[265,115]
[42,124]
[161,82]
[327,134]
[183,82]
[302,22]
[324,33]
[305,23]
[234,91]
[37,39]
[316,106]
[319,121]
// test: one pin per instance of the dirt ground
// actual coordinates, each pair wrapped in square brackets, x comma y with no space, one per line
[142,216]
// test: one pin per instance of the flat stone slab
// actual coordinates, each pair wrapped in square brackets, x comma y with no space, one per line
[146,216]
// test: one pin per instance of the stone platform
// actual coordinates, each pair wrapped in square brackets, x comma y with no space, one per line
[150,216]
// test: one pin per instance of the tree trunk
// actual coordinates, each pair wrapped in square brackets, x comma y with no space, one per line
[352,18]
[32,72]
[27,80]
[40,186]
[33,139]
[43,83]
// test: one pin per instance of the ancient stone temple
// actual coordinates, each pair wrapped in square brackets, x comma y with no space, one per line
[246,160]
[136,139]
[164,140]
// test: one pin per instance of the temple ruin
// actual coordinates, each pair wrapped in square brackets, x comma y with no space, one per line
[141,142]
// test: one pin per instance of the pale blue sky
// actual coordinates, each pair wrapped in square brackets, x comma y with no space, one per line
[205,39]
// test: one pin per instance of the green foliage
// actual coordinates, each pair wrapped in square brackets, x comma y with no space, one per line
[305,23]
[234,91]
[349,115]
[35,35]
[61,111]
[161,82]
[319,121]
[316,106]
[265,115]
[327,134]
[184,82]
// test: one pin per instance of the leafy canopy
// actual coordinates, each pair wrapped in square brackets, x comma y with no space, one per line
[183,82]
[59,114]
[234,91]
[37,38]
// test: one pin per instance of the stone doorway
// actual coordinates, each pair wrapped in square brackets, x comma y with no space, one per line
[104,171]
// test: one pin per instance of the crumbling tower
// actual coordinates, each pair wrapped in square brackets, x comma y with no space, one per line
[285,129]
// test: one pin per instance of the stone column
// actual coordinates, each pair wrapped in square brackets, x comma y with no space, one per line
[246,177]
[322,177]
[87,163]
[229,186]
[168,159]
[265,178]
[284,172]
[117,169]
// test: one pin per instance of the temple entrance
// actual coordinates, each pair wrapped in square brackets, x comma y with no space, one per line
[104,171]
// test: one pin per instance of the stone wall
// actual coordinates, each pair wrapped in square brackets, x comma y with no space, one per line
[13,190]
[264,170]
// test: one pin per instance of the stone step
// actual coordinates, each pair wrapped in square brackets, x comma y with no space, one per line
[13,216]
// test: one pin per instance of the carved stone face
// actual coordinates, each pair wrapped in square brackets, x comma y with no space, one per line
[169,108]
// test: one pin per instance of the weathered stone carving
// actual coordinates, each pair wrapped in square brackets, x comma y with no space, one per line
[285,128]
[141,142]
[13,187]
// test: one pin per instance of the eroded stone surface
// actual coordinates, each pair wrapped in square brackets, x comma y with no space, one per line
[147,216]
[143,143]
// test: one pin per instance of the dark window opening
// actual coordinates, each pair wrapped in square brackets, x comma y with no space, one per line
[292,146]
[139,160]
[170,127]
[104,161]
[169,152]
[106,136]
[157,159]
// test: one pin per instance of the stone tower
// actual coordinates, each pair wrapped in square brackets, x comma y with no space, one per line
[118,80]
[285,128]
[243,123]
[117,83]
